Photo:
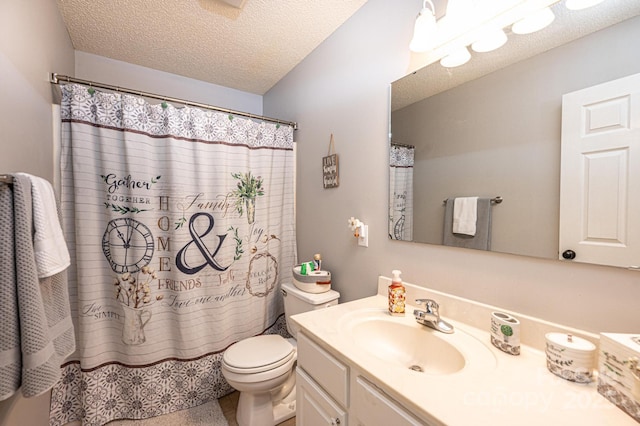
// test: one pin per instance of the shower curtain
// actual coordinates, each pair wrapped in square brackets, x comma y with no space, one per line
[401,192]
[180,227]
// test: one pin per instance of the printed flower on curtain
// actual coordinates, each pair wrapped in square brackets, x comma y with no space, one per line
[246,192]
[134,293]
[263,241]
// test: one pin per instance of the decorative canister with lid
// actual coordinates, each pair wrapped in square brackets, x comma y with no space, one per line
[570,357]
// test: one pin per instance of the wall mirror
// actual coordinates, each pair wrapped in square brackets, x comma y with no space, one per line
[492,127]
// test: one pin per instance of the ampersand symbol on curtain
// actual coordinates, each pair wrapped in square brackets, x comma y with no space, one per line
[181,261]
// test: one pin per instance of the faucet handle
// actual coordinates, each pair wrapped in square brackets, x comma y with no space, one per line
[431,305]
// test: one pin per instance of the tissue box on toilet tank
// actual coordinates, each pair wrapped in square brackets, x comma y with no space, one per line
[618,375]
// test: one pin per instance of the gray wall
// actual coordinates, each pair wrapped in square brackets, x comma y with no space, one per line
[110,71]
[33,43]
[343,88]
[500,135]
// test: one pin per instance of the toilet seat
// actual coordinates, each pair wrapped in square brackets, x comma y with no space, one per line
[258,354]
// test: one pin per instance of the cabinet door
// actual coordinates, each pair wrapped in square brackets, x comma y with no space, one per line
[331,374]
[314,407]
[372,407]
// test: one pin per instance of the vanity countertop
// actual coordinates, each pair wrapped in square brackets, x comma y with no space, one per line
[518,390]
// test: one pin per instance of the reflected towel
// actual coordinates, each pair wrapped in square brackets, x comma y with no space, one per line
[465,214]
[482,238]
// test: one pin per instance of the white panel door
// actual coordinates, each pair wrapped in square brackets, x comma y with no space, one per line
[600,174]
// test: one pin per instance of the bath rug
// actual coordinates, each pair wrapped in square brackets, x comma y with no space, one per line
[208,414]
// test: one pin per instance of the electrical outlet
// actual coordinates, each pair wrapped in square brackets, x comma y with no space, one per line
[363,239]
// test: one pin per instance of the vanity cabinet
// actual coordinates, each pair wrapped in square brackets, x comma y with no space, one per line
[355,358]
[330,391]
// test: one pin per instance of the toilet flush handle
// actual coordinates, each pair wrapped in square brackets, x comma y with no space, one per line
[284,292]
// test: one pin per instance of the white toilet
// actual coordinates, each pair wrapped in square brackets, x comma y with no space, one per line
[262,367]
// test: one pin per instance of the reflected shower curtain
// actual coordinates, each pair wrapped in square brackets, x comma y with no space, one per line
[401,192]
[180,226]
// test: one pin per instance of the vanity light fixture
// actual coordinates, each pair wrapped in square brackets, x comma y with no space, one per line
[456,58]
[424,29]
[581,4]
[534,22]
[479,24]
[459,10]
[490,40]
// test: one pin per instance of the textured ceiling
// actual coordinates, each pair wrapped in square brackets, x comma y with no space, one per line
[248,48]
[568,26]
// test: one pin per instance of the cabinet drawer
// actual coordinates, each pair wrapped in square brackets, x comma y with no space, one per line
[372,407]
[313,406]
[325,369]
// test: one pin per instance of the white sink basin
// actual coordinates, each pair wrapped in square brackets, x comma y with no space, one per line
[403,343]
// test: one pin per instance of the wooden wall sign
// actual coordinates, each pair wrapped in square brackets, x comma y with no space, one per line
[330,177]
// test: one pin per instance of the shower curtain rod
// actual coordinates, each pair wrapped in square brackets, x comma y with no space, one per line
[60,79]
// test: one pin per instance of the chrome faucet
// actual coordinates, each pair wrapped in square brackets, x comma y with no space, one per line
[431,317]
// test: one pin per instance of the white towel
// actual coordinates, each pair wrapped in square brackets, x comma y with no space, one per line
[465,215]
[51,253]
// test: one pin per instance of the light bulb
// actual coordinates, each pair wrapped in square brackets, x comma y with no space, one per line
[459,9]
[423,31]
[490,40]
[534,22]
[456,58]
[581,4]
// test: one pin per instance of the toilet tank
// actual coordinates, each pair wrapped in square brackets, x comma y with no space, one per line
[297,301]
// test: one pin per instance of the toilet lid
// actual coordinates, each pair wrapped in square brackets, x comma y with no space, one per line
[258,353]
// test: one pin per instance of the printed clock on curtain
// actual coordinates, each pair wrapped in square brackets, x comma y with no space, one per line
[127,244]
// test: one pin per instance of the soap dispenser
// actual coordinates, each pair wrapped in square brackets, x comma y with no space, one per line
[396,294]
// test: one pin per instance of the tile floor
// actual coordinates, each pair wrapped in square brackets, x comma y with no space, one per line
[230,402]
